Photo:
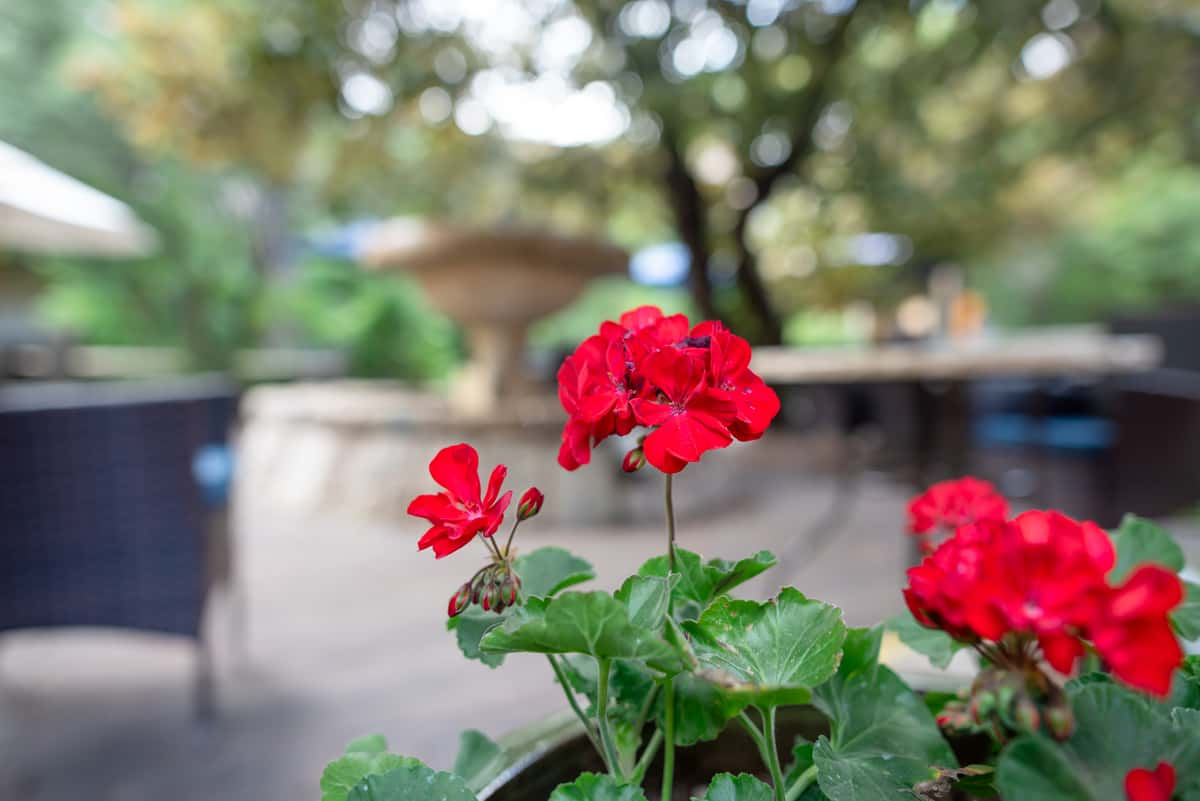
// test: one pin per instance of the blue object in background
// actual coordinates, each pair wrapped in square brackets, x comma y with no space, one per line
[666,264]
[1063,433]
[212,467]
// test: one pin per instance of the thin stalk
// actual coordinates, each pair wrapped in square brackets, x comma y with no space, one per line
[511,534]
[606,737]
[492,547]
[668,777]
[670,526]
[587,724]
[768,715]
[803,782]
[651,750]
[756,735]
[644,712]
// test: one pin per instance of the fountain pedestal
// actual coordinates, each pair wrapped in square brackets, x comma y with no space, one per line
[495,284]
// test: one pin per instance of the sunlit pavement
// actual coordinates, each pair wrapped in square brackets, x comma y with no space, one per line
[346,636]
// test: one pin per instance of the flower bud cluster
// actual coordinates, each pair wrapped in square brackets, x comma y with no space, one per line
[494,589]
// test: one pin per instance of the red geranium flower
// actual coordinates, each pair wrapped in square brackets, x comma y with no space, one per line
[1133,634]
[692,387]
[1044,574]
[688,417]
[458,513]
[1150,785]
[949,504]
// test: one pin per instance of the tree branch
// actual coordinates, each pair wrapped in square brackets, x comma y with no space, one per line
[692,221]
[802,144]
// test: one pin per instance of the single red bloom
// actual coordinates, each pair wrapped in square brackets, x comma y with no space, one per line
[950,504]
[1133,633]
[688,416]
[1150,785]
[530,503]
[940,585]
[458,513]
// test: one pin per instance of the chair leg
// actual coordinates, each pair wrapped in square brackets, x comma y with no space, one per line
[204,702]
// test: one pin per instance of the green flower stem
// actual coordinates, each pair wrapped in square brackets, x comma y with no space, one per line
[803,782]
[768,715]
[668,777]
[651,750]
[756,735]
[587,724]
[670,526]
[511,534]
[606,737]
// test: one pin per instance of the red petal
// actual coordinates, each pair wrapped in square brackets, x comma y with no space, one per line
[495,514]
[435,508]
[457,469]
[1149,590]
[1061,651]
[641,317]
[650,413]
[494,483]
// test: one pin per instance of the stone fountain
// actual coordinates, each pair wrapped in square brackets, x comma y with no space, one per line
[359,450]
[494,283]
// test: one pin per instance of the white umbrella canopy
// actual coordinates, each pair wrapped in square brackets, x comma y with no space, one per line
[45,211]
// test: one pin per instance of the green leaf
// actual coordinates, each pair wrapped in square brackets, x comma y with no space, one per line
[1139,542]
[701,582]
[802,760]
[1187,617]
[1116,730]
[363,756]
[860,651]
[882,742]
[370,744]
[743,787]
[543,572]
[646,599]
[768,654]
[593,623]
[594,787]
[480,759]
[702,709]
[728,574]
[469,628]
[413,782]
[935,645]
[549,571]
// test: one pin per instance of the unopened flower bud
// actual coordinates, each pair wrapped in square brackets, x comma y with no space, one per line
[1060,721]
[531,503]
[1026,715]
[982,705]
[460,600]
[633,460]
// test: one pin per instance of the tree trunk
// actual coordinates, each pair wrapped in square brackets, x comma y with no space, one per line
[692,224]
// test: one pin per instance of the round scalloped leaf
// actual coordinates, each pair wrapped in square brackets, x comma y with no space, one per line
[1116,730]
[415,782]
[743,787]
[882,741]
[594,787]
[769,654]
[593,623]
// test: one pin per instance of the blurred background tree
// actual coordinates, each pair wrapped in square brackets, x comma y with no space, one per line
[809,154]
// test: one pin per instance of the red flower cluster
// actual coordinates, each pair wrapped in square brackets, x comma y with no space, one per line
[1150,785]
[946,506]
[458,513]
[691,385]
[1042,576]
